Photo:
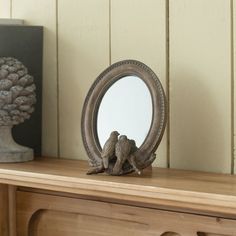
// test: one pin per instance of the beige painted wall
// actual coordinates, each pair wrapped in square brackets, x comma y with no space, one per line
[188,43]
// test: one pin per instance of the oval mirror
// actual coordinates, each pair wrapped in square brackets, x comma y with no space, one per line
[127,97]
[127,108]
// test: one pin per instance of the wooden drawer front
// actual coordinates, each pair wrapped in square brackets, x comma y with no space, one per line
[50,215]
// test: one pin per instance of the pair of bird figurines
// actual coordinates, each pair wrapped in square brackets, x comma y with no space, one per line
[117,151]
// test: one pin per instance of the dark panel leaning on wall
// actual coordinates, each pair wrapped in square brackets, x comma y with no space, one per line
[26,44]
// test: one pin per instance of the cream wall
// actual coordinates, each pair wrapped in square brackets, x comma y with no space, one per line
[188,43]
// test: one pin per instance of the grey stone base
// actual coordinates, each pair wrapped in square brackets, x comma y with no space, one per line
[11,156]
[11,151]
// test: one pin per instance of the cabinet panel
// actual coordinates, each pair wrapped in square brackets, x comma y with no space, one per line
[72,224]
[49,215]
[209,234]
[4,210]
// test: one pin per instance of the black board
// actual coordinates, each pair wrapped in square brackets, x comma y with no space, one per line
[25,43]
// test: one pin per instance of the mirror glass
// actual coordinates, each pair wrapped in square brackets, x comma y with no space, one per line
[127,108]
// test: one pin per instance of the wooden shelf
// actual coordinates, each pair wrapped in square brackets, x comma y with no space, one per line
[160,188]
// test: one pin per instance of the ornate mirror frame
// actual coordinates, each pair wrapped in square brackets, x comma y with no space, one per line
[145,154]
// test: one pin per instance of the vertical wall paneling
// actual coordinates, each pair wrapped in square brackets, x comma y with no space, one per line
[138,31]
[5,8]
[91,34]
[200,82]
[234,73]
[83,54]
[44,13]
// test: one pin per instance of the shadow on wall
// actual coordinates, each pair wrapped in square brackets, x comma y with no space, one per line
[200,131]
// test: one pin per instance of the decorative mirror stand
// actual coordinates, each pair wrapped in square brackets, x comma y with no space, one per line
[120,155]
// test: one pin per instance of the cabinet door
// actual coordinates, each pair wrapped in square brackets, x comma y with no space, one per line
[51,215]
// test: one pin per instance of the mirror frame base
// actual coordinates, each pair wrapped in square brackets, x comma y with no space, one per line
[145,155]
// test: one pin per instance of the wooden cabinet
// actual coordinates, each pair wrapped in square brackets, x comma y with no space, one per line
[55,198]
[53,215]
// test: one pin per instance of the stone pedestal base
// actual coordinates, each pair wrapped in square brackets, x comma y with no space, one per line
[10,151]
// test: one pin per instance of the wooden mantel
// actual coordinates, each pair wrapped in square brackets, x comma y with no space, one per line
[190,191]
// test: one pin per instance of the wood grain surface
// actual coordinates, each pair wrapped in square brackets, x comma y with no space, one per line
[7,210]
[48,215]
[4,223]
[188,190]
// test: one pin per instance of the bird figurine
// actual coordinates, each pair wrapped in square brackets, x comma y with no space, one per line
[108,150]
[122,151]
[131,157]
[115,153]
[107,153]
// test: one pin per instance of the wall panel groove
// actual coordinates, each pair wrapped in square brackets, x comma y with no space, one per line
[232,83]
[110,32]
[10,8]
[57,84]
[233,53]
[168,78]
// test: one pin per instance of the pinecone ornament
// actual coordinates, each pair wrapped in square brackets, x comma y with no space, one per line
[17,97]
